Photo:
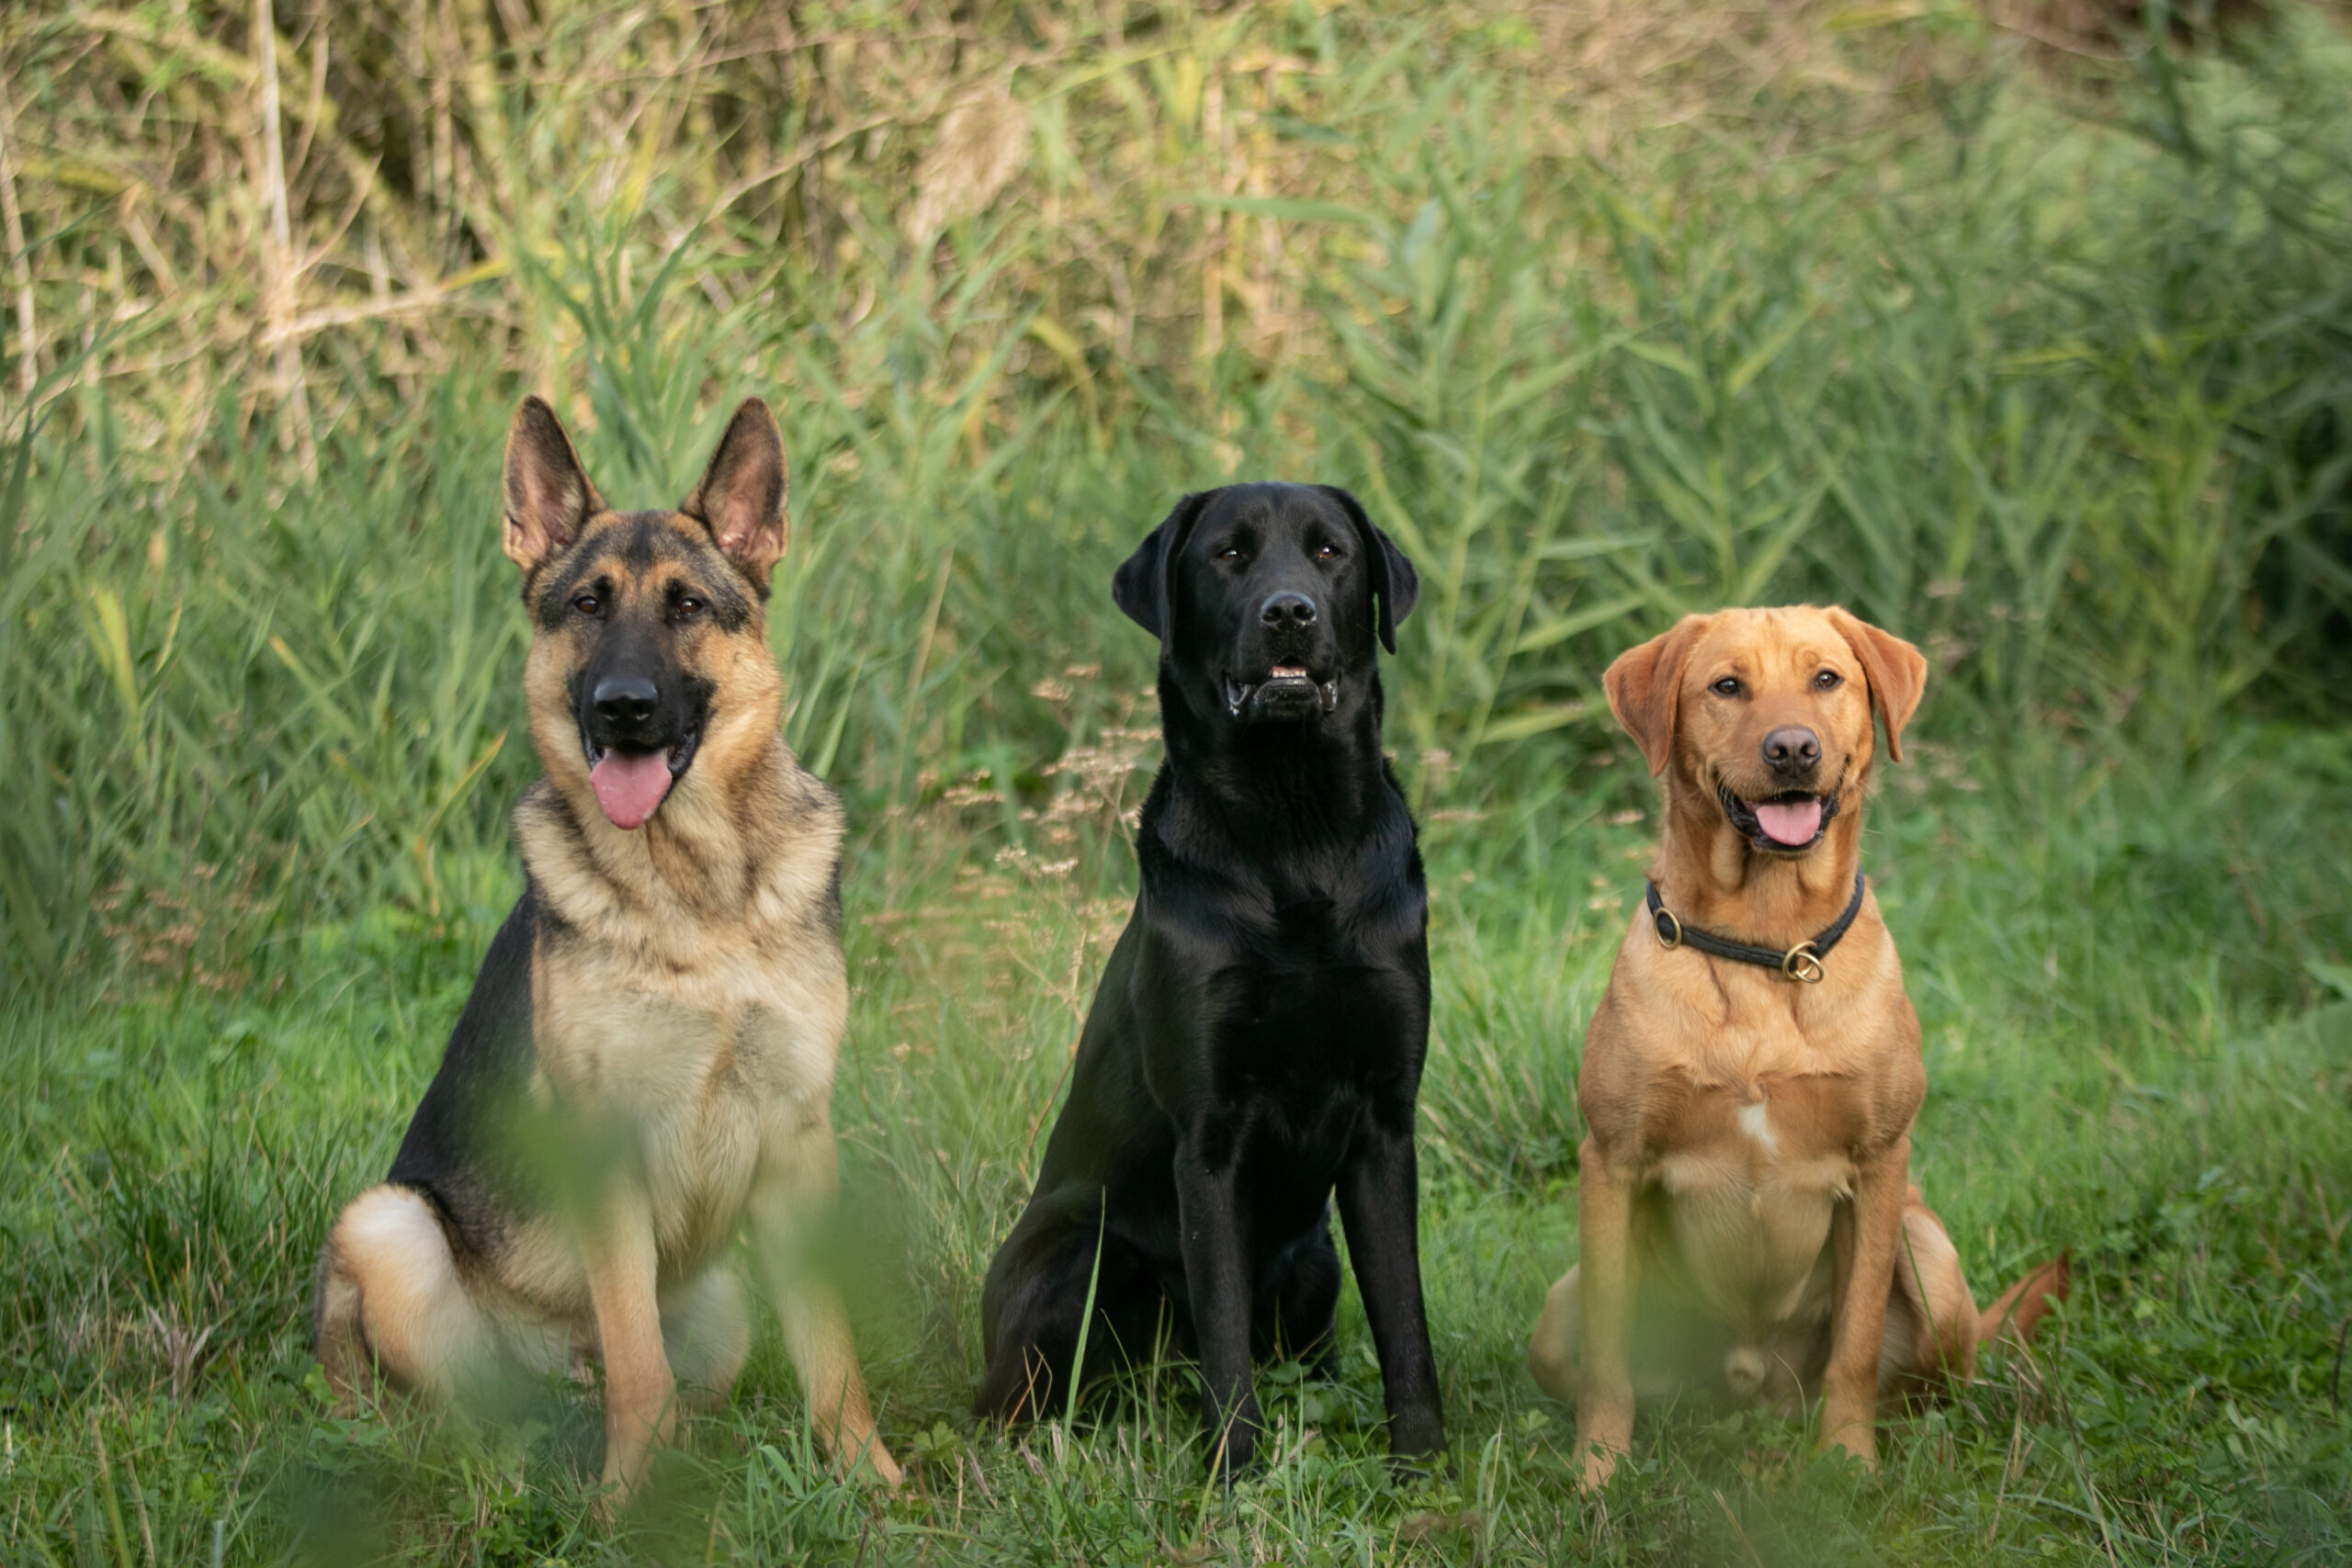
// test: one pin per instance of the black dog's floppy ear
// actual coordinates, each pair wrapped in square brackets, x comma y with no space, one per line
[742,497]
[548,498]
[1139,587]
[1395,583]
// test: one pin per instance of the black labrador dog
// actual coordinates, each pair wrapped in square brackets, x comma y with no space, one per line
[1256,1038]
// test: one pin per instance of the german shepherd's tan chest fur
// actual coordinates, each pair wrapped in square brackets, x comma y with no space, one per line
[701,1028]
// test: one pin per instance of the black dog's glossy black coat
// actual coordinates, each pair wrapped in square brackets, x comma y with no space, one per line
[1256,1043]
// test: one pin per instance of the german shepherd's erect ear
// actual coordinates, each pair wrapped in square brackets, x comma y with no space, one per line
[548,498]
[742,497]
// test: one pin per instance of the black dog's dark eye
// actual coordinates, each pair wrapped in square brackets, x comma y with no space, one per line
[587,603]
[1828,680]
[1230,552]
[1327,552]
[1727,687]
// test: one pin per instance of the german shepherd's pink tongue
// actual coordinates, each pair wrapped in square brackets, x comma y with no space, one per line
[629,786]
[1788,822]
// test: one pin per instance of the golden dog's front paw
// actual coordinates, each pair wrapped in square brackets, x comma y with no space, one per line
[1854,1432]
[1552,1351]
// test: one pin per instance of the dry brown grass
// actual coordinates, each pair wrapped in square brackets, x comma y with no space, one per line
[200,208]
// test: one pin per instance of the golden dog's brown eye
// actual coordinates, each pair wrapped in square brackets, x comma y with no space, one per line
[1828,680]
[1726,687]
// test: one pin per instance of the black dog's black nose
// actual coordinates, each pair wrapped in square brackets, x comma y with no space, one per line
[625,699]
[1287,609]
[1792,749]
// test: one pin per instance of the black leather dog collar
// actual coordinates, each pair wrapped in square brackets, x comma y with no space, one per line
[1802,962]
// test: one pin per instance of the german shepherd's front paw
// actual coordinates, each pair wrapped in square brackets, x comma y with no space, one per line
[1600,1464]
[876,1461]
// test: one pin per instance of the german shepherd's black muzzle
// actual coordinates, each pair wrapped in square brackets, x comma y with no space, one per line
[640,717]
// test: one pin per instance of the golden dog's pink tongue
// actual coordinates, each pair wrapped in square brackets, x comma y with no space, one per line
[1785,822]
[628,788]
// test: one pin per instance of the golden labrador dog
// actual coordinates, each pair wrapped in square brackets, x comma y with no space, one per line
[1746,1217]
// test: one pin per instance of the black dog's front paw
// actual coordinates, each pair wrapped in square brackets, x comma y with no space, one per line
[1417,1441]
[1425,1464]
[1233,1451]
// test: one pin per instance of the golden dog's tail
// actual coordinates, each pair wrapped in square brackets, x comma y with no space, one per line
[2020,1309]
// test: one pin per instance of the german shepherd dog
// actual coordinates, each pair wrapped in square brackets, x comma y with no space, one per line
[645,1067]
[1258,1035]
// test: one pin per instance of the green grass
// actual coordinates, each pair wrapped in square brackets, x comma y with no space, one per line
[2122,1061]
[2045,374]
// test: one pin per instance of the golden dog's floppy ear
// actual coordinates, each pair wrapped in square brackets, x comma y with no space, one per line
[742,497]
[1644,687]
[548,498]
[1897,673]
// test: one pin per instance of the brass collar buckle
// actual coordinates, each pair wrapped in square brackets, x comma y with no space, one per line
[1804,962]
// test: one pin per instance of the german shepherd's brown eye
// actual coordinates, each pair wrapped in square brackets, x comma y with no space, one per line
[688,607]
[1726,687]
[1828,681]
[588,604]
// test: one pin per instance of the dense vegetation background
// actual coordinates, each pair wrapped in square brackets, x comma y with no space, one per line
[2019,329]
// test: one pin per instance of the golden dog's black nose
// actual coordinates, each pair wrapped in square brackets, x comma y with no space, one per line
[1792,749]
[1287,609]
